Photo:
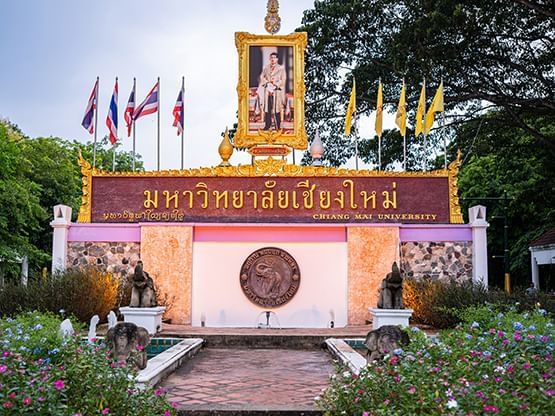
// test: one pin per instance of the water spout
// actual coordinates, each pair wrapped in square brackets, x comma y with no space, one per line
[268,315]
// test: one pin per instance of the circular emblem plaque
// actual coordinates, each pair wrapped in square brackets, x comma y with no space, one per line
[270,277]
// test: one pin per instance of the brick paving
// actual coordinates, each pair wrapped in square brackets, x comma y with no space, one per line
[250,379]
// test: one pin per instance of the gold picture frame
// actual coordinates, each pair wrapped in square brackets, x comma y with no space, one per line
[271,112]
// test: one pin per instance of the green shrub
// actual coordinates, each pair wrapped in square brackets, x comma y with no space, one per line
[437,302]
[79,292]
[493,363]
[42,373]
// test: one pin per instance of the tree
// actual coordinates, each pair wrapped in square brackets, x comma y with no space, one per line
[21,213]
[491,54]
[510,163]
[35,175]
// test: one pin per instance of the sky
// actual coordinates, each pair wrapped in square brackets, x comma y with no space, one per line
[52,51]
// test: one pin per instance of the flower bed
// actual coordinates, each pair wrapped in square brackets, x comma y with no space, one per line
[43,373]
[493,363]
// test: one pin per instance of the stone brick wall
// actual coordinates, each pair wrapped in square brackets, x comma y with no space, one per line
[117,258]
[442,260]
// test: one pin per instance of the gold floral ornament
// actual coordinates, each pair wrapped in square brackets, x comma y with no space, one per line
[272,21]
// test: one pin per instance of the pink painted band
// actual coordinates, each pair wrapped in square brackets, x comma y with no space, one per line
[436,233]
[113,233]
[270,234]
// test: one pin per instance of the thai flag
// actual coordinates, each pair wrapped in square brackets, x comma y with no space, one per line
[112,118]
[91,108]
[178,113]
[149,105]
[129,110]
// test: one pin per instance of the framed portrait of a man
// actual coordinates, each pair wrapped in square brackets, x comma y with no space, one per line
[271,90]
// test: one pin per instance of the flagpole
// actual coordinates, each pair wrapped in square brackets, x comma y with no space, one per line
[443,132]
[405,135]
[293,156]
[114,145]
[379,135]
[405,152]
[356,145]
[158,123]
[95,120]
[424,129]
[182,127]
[133,120]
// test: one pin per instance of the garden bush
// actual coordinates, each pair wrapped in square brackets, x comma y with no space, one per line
[44,374]
[80,292]
[494,363]
[437,302]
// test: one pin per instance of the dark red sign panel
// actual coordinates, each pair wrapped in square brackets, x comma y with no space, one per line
[271,199]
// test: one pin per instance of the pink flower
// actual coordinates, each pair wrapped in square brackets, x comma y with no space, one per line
[27,401]
[174,405]
[550,392]
[526,366]
[505,342]
[41,399]
[490,409]
[59,384]
[480,394]
[393,360]
[386,402]
[3,369]
[6,354]
[158,392]
[11,395]
[8,405]
[412,389]
[365,414]
[500,334]
[140,347]
[517,336]
[167,413]
[106,411]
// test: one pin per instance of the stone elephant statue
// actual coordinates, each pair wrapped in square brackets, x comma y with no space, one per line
[384,340]
[126,338]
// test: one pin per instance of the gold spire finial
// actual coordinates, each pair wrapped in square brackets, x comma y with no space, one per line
[272,21]
[225,149]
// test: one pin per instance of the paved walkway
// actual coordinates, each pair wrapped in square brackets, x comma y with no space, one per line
[250,379]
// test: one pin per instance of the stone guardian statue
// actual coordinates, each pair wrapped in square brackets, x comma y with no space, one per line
[143,294]
[391,290]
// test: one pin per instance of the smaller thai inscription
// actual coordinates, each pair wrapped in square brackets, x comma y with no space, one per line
[270,277]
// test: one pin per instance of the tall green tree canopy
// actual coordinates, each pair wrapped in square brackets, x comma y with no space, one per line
[491,54]
[35,175]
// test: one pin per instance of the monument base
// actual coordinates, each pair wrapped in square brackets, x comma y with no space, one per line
[148,318]
[381,317]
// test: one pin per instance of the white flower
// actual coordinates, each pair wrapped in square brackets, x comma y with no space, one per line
[452,404]
[346,374]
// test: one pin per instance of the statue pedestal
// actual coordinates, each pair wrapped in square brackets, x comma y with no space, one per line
[381,317]
[148,318]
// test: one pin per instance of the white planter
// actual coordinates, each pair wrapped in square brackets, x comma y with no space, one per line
[381,317]
[148,318]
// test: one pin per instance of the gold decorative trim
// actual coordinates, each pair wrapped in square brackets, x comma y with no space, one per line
[86,180]
[243,138]
[267,167]
[454,206]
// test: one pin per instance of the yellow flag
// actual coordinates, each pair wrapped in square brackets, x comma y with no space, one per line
[401,115]
[379,110]
[436,107]
[351,109]
[421,109]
